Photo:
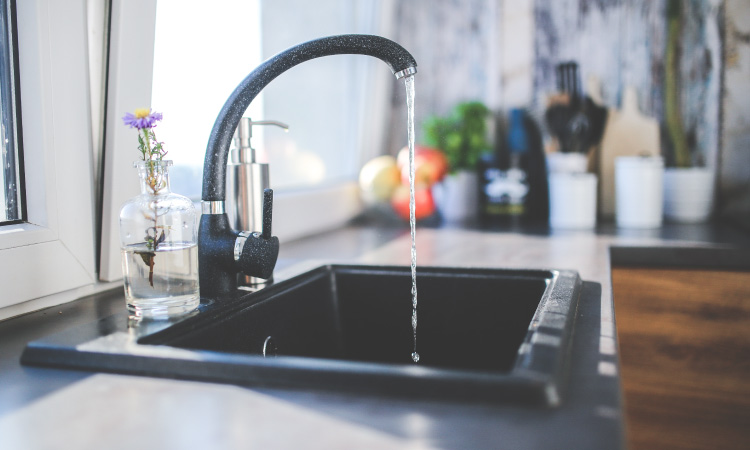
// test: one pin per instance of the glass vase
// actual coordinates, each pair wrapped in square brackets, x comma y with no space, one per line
[158,235]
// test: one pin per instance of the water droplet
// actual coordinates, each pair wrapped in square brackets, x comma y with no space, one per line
[415,357]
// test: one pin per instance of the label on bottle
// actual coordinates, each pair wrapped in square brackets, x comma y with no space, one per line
[505,191]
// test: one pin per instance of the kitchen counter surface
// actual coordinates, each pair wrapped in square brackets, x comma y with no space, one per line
[51,408]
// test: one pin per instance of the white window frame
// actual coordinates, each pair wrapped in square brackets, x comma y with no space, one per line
[50,259]
[130,66]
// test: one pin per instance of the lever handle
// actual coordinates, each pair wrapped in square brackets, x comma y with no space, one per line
[258,254]
[267,213]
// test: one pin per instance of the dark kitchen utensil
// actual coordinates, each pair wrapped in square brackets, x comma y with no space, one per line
[578,123]
[564,116]
[597,117]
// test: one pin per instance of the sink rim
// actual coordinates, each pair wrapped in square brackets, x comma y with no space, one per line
[538,375]
[536,371]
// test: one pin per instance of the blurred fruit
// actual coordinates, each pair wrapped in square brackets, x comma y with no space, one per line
[424,205]
[378,178]
[430,165]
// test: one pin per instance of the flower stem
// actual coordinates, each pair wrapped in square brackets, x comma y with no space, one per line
[146,138]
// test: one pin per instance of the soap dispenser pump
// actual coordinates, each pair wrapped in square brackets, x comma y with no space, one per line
[246,181]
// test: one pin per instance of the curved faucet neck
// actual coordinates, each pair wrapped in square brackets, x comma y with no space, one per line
[214,171]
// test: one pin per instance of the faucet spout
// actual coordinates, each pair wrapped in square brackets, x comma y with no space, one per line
[400,61]
[255,253]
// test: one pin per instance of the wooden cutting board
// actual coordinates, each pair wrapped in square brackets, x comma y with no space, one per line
[627,133]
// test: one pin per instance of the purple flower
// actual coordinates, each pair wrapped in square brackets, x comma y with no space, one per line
[143,118]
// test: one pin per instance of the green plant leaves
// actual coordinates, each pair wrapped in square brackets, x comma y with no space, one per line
[462,136]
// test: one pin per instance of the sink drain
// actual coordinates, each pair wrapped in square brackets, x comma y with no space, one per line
[269,347]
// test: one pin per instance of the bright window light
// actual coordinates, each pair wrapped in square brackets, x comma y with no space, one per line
[197,65]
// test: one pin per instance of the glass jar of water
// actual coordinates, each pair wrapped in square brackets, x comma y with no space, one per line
[158,235]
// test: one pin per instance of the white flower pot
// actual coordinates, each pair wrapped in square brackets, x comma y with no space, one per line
[456,196]
[688,194]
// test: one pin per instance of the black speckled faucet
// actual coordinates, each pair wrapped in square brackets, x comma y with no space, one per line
[223,251]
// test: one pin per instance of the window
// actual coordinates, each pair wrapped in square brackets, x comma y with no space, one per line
[326,102]
[48,252]
[323,100]
[49,255]
[193,75]
[11,206]
[336,107]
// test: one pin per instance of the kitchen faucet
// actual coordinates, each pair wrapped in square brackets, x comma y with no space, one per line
[222,251]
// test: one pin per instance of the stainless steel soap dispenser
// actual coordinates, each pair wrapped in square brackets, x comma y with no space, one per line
[246,181]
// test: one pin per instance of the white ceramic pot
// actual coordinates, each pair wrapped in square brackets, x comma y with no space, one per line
[567,163]
[688,194]
[572,200]
[638,191]
[456,196]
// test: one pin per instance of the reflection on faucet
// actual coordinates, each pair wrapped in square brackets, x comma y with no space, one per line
[223,251]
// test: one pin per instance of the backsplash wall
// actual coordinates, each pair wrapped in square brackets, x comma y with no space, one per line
[623,43]
[504,53]
[455,46]
[734,160]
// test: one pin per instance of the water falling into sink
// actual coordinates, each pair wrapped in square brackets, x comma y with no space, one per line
[409,81]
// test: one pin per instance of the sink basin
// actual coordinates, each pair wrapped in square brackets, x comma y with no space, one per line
[498,335]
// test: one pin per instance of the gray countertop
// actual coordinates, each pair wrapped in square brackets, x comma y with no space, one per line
[85,410]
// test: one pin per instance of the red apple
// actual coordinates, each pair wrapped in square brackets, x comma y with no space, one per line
[430,165]
[424,205]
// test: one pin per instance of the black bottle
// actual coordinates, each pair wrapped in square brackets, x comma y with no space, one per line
[513,180]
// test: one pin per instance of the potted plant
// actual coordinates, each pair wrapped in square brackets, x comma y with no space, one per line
[462,137]
[688,187]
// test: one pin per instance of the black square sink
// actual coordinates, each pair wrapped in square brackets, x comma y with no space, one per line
[497,335]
